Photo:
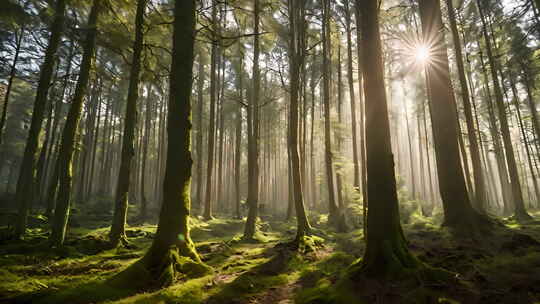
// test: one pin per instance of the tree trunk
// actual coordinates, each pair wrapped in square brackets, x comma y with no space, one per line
[356,166]
[478,173]
[312,155]
[458,211]
[253,137]
[497,146]
[118,227]
[212,119]
[525,139]
[199,140]
[339,135]
[147,129]
[27,171]
[12,72]
[333,217]
[67,147]
[409,141]
[531,103]
[361,105]
[238,142]
[296,58]
[519,207]
[386,250]
[172,240]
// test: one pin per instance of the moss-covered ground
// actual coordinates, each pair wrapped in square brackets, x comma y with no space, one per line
[501,268]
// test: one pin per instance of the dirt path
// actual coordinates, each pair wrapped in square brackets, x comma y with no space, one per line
[283,294]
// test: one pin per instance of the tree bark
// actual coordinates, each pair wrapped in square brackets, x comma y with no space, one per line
[386,250]
[356,166]
[458,211]
[67,147]
[297,51]
[27,171]
[478,172]
[519,207]
[117,233]
[12,72]
[199,139]
[212,119]
[238,141]
[172,240]
[146,145]
[333,217]
[361,105]
[253,136]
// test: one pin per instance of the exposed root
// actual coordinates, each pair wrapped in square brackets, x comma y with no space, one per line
[120,240]
[472,225]
[151,275]
[306,244]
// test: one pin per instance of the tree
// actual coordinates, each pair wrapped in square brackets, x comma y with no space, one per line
[253,133]
[12,72]
[172,245]
[211,130]
[297,50]
[478,173]
[333,216]
[199,138]
[68,141]
[386,248]
[25,181]
[118,233]
[356,170]
[519,207]
[458,211]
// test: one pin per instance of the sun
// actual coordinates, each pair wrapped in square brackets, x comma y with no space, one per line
[422,54]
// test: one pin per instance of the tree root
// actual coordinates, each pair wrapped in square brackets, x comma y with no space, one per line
[148,274]
[305,244]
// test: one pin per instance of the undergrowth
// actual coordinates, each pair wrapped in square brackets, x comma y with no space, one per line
[504,268]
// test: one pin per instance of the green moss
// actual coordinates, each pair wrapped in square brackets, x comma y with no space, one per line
[191,291]
[325,293]
[83,273]
[306,244]
[215,228]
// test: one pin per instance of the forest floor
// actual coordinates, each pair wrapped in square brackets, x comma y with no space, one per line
[501,268]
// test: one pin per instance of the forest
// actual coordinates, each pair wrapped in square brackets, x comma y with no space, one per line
[270,151]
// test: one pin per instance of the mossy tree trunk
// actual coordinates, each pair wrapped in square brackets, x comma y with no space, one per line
[27,171]
[253,134]
[118,231]
[458,211]
[297,50]
[50,192]
[172,238]
[68,141]
[386,250]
